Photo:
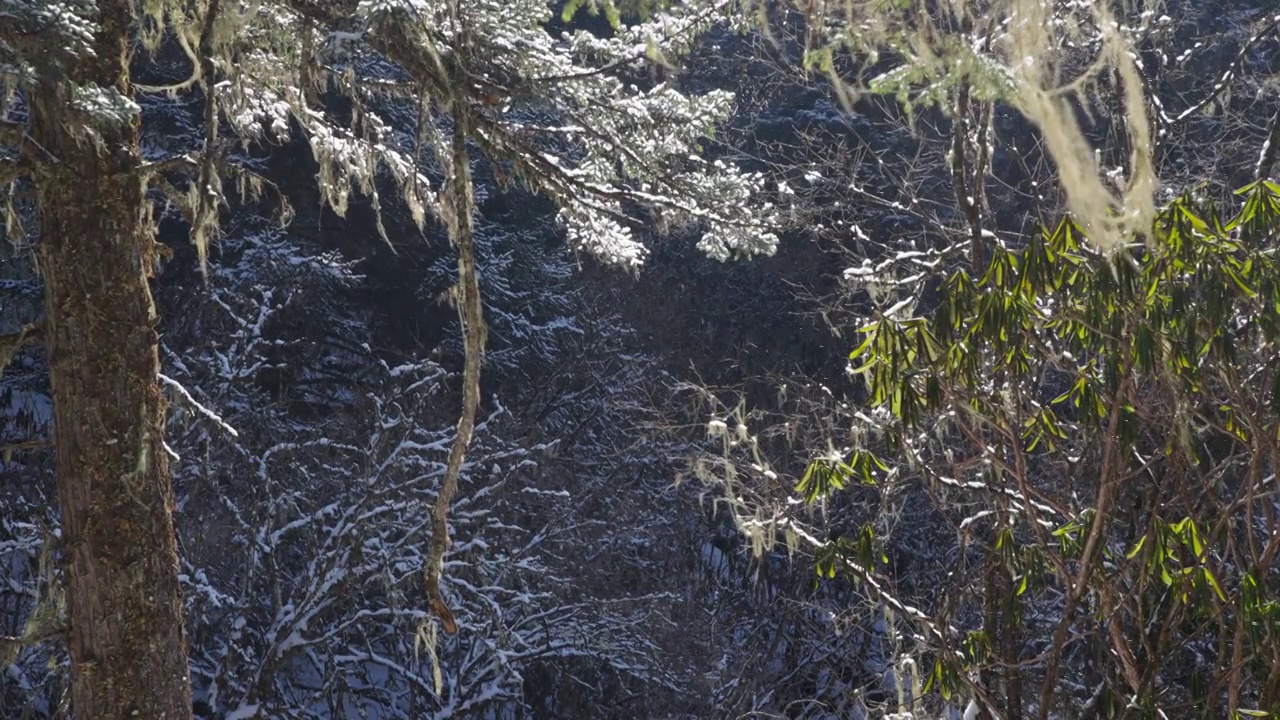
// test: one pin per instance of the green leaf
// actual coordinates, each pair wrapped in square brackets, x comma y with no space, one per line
[869,331]
[1136,548]
[1248,291]
[1196,547]
[1193,219]
[1213,582]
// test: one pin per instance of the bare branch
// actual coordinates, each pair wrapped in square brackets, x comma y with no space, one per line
[1230,73]
[11,170]
[470,314]
[195,404]
[177,162]
[11,343]
[1270,150]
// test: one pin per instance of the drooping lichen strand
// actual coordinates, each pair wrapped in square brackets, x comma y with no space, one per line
[1046,59]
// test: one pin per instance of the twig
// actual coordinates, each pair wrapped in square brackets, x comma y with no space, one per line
[184,162]
[197,406]
[1230,74]
[11,343]
[1270,150]
[11,170]
[7,450]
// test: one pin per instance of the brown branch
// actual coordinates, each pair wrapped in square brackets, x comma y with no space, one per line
[470,313]
[11,170]
[11,343]
[32,154]
[7,450]
[11,133]
[965,198]
[1093,542]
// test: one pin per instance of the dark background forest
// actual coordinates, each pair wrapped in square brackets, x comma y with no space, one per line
[312,371]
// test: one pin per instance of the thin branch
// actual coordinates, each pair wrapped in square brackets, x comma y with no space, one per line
[1270,150]
[177,162]
[470,313]
[11,343]
[1230,73]
[10,448]
[11,133]
[11,170]
[195,404]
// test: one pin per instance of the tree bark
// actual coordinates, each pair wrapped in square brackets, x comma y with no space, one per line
[119,552]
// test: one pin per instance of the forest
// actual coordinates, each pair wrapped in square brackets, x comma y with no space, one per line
[542,359]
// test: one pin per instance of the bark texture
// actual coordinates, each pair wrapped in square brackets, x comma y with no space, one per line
[123,599]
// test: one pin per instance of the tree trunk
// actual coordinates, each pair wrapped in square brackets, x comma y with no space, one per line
[119,551]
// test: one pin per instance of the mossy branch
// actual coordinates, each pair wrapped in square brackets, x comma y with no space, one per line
[10,344]
[471,314]
[36,634]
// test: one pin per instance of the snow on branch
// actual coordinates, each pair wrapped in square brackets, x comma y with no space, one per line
[195,404]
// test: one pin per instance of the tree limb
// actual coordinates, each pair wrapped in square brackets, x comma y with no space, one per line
[470,313]
[177,162]
[11,170]
[11,645]
[7,451]
[11,343]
